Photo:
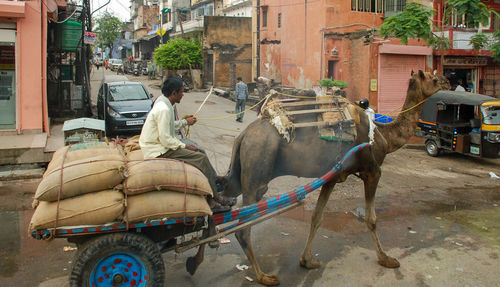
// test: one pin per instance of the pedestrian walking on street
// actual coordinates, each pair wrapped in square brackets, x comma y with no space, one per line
[241,98]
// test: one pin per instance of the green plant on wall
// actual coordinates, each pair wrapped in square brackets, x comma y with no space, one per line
[479,41]
[495,47]
[327,82]
[414,22]
[475,11]
[179,53]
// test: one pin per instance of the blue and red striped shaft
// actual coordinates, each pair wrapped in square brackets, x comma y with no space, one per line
[285,199]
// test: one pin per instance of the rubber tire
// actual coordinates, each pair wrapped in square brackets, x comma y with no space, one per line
[431,148]
[100,247]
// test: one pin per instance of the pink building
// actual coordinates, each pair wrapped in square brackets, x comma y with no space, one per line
[23,57]
[302,42]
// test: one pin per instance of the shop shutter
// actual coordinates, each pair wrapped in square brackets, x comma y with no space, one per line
[394,75]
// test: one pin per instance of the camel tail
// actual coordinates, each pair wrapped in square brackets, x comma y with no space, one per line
[233,186]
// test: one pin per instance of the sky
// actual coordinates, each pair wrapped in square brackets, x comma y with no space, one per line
[119,8]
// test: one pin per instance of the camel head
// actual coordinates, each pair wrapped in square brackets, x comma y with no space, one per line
[427,84]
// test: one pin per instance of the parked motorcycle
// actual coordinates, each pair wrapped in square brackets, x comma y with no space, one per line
[130,68]
[137,69]
[184,83]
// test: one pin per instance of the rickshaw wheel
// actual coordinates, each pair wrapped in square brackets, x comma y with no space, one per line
[120,259]
[431,148]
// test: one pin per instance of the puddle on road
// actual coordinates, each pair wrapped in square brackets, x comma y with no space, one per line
[10,244]
[22,255]
[484,223]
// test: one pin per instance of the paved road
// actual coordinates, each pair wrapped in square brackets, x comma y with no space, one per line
[438,216]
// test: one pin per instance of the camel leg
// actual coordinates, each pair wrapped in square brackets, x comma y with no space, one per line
[307,260]
[244,238]
[370,183]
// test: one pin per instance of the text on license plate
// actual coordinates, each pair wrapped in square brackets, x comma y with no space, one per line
[134,123]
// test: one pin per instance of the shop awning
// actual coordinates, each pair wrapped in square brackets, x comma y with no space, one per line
[12,9]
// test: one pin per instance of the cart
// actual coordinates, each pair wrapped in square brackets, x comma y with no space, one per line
[121,254]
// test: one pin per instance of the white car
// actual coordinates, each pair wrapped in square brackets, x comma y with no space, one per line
[115,64]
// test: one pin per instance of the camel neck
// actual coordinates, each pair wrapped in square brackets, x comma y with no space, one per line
[402,128]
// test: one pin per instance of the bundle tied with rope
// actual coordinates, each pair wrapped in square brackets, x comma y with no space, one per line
[110,185]
[80,190]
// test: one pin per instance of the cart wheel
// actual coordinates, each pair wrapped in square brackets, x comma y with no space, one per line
[431,148]
[121,259]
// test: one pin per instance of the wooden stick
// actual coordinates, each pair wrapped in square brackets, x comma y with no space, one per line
[180,249]
[206,98]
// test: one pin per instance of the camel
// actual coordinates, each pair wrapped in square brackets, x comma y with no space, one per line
[261,154]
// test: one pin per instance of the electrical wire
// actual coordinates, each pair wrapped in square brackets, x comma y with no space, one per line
[69,17]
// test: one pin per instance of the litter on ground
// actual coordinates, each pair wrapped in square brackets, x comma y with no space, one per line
[249,278]
[241,267]
[224,240]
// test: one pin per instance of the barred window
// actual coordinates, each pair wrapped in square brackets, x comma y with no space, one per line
[392,7]
[373,6]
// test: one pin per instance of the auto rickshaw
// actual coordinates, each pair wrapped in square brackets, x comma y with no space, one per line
[462,122]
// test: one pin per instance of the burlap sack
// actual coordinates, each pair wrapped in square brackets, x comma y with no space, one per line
[161,204]
[82,176]
[158,174]
[135,156]
[132,144]
[81,153]
[89,209]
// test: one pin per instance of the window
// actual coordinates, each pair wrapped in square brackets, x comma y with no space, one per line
[495,22]
[279,20]
[209,11]
[199,12]
[373,6]
[457,21]
[264,16]
[392,7]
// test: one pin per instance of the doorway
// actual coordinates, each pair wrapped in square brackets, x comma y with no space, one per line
[7,80]
[467,76]
[331,69]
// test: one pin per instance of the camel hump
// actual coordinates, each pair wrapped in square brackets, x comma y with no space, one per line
[354,112]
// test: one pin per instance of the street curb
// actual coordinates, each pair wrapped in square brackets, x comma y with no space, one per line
[21,171]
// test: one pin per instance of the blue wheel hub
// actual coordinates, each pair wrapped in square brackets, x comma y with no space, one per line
[119,269]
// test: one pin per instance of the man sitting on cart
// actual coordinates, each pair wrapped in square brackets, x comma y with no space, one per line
[158,140]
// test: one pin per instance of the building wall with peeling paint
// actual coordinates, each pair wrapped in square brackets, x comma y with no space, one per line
[305,41]
[293,51]
[227,44]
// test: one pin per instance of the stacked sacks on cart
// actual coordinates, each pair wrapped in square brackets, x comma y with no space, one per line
[160,188]
[78,187]
[92,184]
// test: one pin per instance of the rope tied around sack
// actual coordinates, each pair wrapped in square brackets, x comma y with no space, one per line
[61,182]
[125,190]
[185,192]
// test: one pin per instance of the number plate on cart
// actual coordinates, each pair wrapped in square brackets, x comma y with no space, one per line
[134,123]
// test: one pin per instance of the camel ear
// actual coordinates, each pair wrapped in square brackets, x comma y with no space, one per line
[421,74]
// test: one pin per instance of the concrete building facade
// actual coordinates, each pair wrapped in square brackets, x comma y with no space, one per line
[227,50]
[475,68]
[23,65]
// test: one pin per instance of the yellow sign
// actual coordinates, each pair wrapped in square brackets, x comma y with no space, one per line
[161,32]
[373,85]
